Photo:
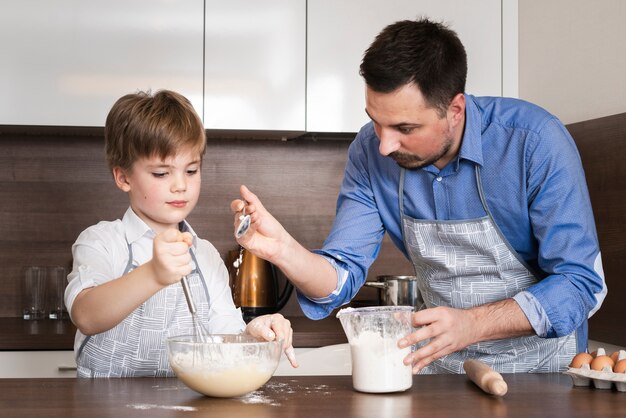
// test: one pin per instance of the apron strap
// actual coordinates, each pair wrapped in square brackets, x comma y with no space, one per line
[201,277]
[401,202]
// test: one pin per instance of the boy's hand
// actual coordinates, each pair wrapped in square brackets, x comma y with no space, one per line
[273,327]
[170,256]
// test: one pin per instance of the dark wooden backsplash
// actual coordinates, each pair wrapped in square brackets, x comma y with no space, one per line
[54,184]
[602,146]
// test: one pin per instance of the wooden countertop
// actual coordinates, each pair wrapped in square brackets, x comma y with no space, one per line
[530,395]
[46,334]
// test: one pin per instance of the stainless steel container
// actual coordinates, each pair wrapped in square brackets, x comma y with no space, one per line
[398,291]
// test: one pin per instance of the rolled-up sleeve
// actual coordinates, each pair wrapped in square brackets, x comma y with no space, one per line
[319,308]
[91,265]
[563,225]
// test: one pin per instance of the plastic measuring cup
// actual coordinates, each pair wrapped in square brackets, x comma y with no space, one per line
[373,334]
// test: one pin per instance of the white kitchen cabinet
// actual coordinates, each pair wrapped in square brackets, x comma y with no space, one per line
[23,364]
[270,66]
[255,54]
[329,360]
[339,32]
[64,63]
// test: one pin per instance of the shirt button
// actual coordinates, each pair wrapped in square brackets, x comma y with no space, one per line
[438,178]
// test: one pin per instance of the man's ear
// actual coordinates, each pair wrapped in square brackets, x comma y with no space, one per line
[121,179]
[456,109]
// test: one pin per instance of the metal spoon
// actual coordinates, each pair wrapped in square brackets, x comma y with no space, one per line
[244,225]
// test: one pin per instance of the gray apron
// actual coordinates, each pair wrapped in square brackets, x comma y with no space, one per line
[136,346]
[466,263]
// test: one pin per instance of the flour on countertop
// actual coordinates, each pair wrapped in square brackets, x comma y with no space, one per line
[257,397]
[268,392]
[279,387]
[157,387]
[146,406]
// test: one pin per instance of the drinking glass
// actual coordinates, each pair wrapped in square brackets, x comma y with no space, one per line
[57,281]
[34,293]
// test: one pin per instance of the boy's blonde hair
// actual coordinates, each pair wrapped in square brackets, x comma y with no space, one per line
[142,125]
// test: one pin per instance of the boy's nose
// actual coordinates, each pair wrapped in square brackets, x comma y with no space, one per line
[179,184]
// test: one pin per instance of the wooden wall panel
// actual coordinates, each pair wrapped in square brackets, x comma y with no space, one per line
[55,183]
[602,146]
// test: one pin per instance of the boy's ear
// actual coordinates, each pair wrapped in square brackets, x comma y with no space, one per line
[121,180]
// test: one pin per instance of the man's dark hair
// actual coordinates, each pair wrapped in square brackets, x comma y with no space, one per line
[422,52]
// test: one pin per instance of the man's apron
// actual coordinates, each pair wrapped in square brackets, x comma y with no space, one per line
[466,263]
[136,346]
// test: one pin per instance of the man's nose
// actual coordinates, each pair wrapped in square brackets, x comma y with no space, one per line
[389,142]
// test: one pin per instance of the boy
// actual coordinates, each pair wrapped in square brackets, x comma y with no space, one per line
[123,293]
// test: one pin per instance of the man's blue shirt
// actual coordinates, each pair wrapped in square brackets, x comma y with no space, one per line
[534,187]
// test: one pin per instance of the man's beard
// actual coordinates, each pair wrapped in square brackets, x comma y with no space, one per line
[415,162]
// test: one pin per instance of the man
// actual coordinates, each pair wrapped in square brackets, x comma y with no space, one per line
[487,198]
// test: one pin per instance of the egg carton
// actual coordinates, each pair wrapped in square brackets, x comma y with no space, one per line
[601,379]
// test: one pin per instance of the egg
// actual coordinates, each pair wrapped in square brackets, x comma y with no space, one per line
[601,362]
[580,359]
[614,356]
[620,366]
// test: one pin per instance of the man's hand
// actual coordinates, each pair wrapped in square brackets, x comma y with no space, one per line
[311,273]
[448,329]
[266,237]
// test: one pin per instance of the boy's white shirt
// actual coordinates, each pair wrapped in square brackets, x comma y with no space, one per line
[101,254]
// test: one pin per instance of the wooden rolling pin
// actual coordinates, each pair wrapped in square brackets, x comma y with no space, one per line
[485,377]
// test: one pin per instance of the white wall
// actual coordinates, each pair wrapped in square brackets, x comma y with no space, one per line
[572,57]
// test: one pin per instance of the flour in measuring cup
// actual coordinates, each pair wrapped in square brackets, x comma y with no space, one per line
[377,364]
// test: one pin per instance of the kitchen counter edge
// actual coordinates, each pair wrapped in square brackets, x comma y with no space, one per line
[49,334]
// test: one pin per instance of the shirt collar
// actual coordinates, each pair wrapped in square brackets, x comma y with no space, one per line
[471,144]
[136,228]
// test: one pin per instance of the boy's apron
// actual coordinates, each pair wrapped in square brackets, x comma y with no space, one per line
[466,263]
[136,346]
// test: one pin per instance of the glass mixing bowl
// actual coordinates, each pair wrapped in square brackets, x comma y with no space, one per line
[224,366]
